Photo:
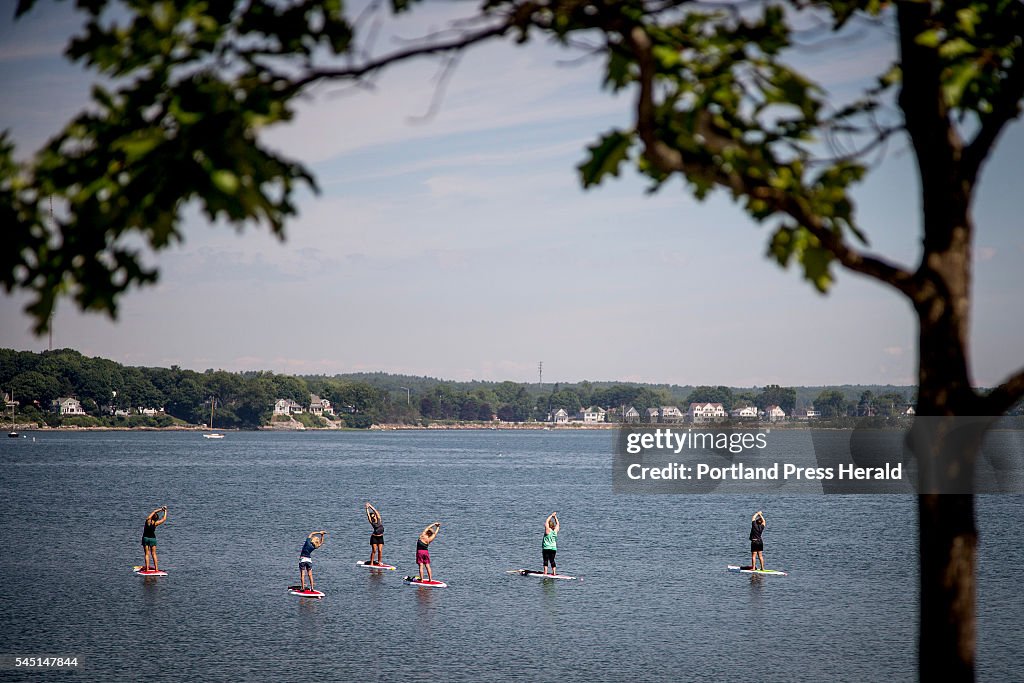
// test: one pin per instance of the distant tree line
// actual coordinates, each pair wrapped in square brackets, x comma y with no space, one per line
[245,400]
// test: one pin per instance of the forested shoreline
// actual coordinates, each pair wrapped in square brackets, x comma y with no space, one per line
[114,395]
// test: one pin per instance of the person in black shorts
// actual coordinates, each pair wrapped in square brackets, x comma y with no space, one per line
[377,537]
[757,525]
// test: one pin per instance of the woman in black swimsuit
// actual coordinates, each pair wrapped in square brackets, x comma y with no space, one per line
[377,537]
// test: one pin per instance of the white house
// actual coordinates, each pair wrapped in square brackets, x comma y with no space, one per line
[631,415]
[671,414]
[706,412]
[68,406]
[774,414]
[909,411]
[652,415]
[558,416]
[151,412]
[747,413]
[286,406]
[592,414]
[320,406]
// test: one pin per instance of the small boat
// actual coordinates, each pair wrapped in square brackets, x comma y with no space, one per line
[13,434]
[212,435]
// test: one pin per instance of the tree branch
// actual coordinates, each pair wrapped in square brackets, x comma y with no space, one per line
[1002,398]
[519,17]
[670,160]
[1005,108]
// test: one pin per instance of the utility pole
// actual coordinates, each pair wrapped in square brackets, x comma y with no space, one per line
[540,373]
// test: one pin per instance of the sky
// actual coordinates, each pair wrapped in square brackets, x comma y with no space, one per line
[459,244]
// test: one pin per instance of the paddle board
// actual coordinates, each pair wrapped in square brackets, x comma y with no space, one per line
[367,565]
[413,581]
[148,572]
[540,575]
[748,570]
[298,590]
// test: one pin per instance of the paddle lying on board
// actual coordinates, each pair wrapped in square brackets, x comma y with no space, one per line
[751,570]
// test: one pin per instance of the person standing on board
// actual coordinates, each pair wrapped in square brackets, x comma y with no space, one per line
[313,541]
[757,525]
[154,520]
[377,537]
[549,544]
[428,536]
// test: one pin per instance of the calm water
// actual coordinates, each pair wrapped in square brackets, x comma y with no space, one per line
[656,602]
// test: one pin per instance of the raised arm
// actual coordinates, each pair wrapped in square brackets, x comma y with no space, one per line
[547,522]
[370,510]
[761,515]
[157,521]
[434,529]
[321,534]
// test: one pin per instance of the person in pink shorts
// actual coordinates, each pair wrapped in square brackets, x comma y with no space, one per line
[422,553]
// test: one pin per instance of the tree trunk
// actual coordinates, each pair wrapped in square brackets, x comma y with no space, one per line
[948,545]
[948,535]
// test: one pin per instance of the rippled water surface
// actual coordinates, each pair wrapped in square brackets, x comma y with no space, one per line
[655,602]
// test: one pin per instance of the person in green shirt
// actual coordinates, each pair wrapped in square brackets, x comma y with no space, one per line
[549,545]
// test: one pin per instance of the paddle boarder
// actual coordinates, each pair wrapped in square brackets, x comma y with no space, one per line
[153,520]
[548,544]
[757,525]
[313,541]
[428,536]
[377,537]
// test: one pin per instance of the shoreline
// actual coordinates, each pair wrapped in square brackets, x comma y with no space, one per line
[479,426]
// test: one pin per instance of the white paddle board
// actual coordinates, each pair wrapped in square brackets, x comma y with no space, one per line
[367,565]
[423,583]
[748,570]
[540,575]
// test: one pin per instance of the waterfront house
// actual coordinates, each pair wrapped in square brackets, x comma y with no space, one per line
[745,413]
[706,412]
[652,415]
[286,406]
[671,414]
[558,416]
[592,414]
[320,406]
[631,415]
[67,406]
[774,414]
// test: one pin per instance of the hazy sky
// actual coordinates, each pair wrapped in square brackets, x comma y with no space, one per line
[461,245]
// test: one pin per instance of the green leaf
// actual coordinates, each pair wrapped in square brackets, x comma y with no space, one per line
[952,49]
[225,181]
[606,157]
[953,89]
[930,38]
